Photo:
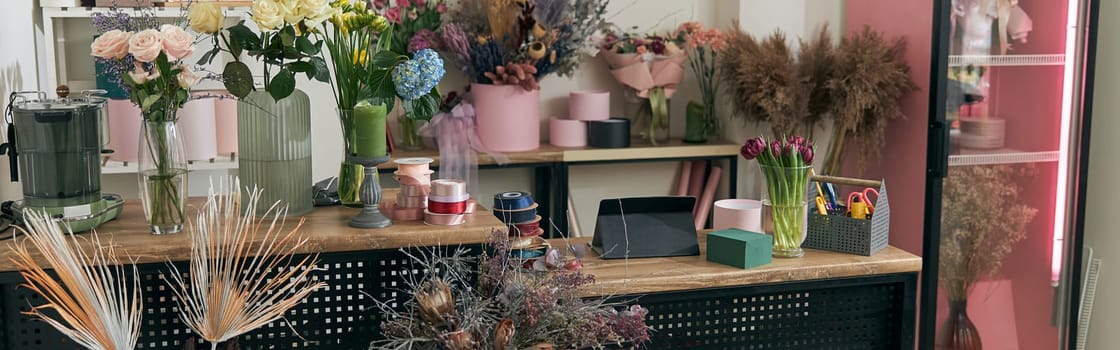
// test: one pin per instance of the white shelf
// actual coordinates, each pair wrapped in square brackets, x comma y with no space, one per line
[221,163]
[1000,156]
[1007,60]
[160,12]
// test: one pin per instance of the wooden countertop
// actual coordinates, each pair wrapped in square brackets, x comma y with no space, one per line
[325,228]
[547,153]
[650,275]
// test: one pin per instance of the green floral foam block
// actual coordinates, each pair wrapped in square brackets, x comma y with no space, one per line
[739,248]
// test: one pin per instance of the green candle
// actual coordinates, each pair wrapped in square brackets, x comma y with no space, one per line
[369,127]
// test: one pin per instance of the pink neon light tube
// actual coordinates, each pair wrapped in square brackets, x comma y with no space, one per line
[1061,194]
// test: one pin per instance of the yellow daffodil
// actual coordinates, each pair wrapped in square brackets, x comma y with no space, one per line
[360,57]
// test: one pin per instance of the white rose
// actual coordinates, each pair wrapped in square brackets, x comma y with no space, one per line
[187,77]
[205,17]
[316,12]
[177,43]
[146,45]
[266,13]
[291,11]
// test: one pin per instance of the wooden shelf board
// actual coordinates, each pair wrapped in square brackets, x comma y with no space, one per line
[550,154]
[652,275]
[325,228]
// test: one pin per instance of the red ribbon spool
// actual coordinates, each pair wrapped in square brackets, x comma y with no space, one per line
[526,229]
[447,208]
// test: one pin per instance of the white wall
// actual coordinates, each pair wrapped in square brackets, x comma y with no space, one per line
[18,70]
[1101,232]
[589,184]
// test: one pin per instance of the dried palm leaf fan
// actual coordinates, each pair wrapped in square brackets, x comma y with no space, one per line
[99,305]
[243,270]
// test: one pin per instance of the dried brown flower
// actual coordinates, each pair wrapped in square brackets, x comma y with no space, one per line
[869,79]
[760,79]
[521,74]
[436,302]
[981,220]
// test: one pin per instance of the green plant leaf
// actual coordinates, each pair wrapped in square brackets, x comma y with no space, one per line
[238,79]
[163,65]
[387,59]
[149,101]
[282,84]
[304,45]
[381,84]
[243,37]
[288,36]
[322,73]
[423,108]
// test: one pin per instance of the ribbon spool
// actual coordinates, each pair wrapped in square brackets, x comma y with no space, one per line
[422,179]
[446,188]
[412,201]
[515,216]
[513,200]
[414,190]
[414,167]
[524,229]
[610,133]
[397,213]
[431,218]
[447,207]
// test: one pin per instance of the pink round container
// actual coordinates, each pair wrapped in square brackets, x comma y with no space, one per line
[567,133]
[589,105]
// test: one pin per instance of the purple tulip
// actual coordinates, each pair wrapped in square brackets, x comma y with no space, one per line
[776,148]
[753,148]
[795,140]
[806,153]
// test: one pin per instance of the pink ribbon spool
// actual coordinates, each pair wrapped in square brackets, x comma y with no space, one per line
[567,133]
[406,180]
[414,167]
[397,213]
[589,105]
[431,218]
[414,190]
[449,188]
[412,202]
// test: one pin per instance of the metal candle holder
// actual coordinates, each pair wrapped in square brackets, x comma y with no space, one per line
[370,194]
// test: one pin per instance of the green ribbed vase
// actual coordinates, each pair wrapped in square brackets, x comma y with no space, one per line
[274,147]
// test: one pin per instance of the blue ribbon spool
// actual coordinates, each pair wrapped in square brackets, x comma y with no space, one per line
[526,254]
[519,216]
[513,200]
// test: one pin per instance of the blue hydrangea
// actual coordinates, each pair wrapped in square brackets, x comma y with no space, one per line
[417,77]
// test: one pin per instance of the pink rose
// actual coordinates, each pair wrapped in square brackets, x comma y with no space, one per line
[418,3]
[393,15]
[177,43]
[146,45]
[187,77]
[441,8]
[402,3]
[112,44]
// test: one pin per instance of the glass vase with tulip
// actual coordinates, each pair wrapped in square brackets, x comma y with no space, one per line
[785,165]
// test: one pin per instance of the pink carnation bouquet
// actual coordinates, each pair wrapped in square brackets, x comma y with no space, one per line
[702,45]
[651,65]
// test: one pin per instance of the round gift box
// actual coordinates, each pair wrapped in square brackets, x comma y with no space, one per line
[589,105]
[610,133]
[567,133]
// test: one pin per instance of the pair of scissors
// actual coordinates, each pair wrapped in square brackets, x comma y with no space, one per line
[864,197]
[822,208]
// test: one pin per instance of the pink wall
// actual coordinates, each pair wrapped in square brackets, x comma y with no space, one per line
[1030,99]
[903,160]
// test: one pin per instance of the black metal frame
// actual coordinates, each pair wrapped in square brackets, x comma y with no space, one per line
[937,158]
[838,313]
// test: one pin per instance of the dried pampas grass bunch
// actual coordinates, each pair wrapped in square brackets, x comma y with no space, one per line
[870,78]
[243,271]
[760,78]
[98,304]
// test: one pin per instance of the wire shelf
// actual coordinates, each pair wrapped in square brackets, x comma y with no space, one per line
[1007,60]
[1001,156]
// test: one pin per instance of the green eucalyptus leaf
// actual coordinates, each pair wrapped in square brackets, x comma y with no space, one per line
[322,73]
[238,79]
[282,84]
